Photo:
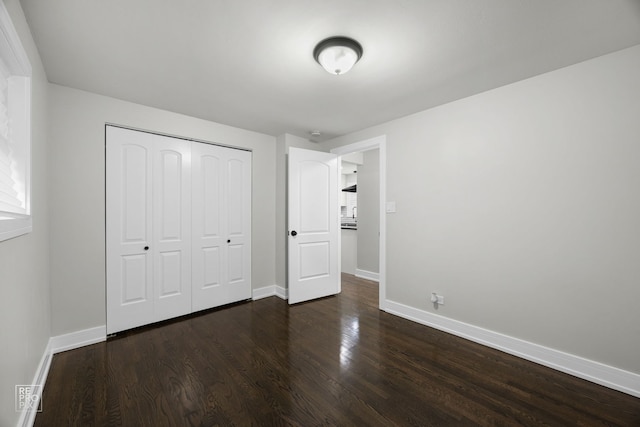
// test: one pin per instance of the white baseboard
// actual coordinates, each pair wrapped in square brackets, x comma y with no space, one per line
[78,339]
[369,275]
[56,345]
[27,418]
[269,291]
[282,292]
[265,292]
[596,372]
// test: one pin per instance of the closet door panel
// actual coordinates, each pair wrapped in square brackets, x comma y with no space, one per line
[135,186]
[221,228]
[172,228]
[210,193]
[211,270]
[134,279]
[169,207]
[235,197]
[170,280]
[208,221]
[236,263]
[129,290]
[238,213]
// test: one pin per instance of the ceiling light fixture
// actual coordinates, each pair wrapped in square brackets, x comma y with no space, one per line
[337,54]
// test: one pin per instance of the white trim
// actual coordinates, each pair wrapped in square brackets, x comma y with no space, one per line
[367,144]
[596,372]
[282,292]
[14,43]
[267,291]
[14,227]
[56,345]
[17,62]
[369,275]
[379,142]
[27,418]
[185,138]
[270,291]
[78,339]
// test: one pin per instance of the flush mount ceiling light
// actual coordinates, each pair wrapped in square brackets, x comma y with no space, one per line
[337,54]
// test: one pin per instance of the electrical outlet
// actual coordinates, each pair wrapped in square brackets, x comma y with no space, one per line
[437,299]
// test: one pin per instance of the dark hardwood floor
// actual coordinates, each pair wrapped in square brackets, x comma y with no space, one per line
[335,361]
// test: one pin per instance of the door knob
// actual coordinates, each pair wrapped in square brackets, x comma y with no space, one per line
[146,248]
[294,233]
[228,240]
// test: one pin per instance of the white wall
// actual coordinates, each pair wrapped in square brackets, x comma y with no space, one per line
[368,258]
[348,250]
[77,210]
[24,261]
[281,197]
[521,206]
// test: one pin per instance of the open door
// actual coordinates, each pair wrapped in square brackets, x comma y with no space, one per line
[314,255]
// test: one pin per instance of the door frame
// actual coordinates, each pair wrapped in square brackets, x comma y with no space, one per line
[379,142]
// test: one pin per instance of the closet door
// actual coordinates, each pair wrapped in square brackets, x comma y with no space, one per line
[221,212]
[130,296]
[148,230]
[238,223]
[171,246]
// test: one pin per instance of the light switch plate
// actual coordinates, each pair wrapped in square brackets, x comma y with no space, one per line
[391,207]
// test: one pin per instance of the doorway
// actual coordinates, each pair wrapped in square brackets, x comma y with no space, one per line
[378,143]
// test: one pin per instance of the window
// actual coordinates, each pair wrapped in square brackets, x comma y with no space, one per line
[15,132]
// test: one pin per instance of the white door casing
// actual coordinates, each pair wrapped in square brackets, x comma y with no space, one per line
[221,221]
[378,142]
[314,257]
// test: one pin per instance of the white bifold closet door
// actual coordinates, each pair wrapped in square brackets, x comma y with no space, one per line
[221,225]
[167,197]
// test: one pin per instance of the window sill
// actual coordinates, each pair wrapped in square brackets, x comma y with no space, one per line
[14,227]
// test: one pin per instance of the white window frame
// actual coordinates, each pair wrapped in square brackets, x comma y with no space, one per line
[16,222]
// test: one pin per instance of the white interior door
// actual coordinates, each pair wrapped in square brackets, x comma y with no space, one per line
[221,226]
[171,245]
[130,300]
[314,257]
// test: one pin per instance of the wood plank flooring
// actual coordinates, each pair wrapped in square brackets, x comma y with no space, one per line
[338,361]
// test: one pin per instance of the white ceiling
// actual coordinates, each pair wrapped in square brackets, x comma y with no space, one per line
[248,63]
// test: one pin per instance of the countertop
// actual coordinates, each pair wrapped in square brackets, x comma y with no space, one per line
[348,224]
